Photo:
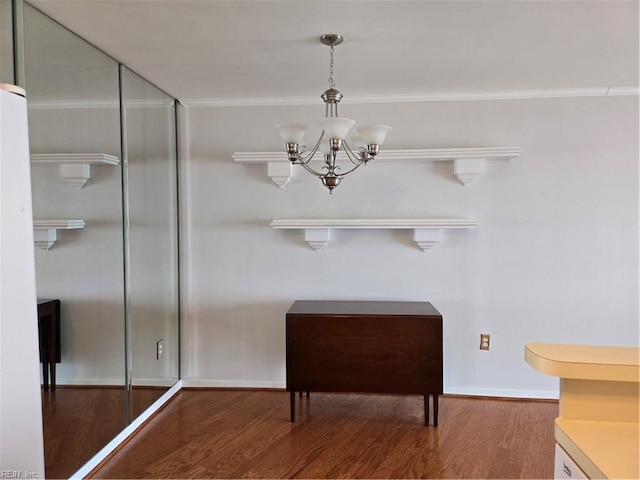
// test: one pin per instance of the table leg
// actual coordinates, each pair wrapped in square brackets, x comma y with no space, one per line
[43,336]
[45,375]
[54,341]
[435,409]
[53,376]
[292,400]
[426,410]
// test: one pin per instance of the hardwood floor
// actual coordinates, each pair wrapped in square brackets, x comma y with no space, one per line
[247,434]
[79,421]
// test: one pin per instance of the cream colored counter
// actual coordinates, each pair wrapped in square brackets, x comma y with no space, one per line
[599,405]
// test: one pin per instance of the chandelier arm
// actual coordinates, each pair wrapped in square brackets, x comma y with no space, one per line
[359,156]
[304,161]
[311,170]
[349,171]
[310,155]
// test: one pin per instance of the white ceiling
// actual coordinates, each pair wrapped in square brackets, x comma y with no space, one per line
[236,49]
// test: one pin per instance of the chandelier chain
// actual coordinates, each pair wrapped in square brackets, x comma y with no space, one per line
[332,82]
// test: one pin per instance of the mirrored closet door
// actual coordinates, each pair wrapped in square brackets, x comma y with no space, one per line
[73,100]
[105,203]
[151,202]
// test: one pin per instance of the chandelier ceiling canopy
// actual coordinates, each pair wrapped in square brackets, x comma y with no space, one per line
[360,148]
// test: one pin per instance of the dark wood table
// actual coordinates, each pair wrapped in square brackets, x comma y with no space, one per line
[49,339]
[368,347]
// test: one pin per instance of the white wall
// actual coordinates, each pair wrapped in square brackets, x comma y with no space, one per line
[555,258]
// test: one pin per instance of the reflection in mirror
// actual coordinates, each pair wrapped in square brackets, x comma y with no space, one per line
[108,295]
[152,239]
[73,99]
[6,42]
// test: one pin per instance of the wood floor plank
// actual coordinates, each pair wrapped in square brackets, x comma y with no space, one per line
[338,453]
[244,434]
[312,442]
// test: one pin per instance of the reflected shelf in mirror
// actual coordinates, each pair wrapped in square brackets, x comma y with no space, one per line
[45,232]
[75,168]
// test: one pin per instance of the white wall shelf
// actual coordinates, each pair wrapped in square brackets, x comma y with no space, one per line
[468,163]
[45,232]
[427,232]
[75,168]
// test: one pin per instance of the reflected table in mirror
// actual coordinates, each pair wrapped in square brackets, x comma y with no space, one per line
[49,340]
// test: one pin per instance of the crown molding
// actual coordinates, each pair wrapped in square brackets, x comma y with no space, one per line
[416,98]
[354,100]
[97,104]
[468,163]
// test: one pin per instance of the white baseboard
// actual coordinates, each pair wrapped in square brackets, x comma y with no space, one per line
[202,383]
[114,382]
[479,392]
[126,433]
[153,382]
[75,381]
[503,393]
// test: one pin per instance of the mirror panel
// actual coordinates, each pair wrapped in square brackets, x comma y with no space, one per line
[117,287]
[152,237]
[6,42]
[73,99]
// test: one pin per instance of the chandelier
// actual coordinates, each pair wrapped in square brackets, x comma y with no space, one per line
[333,138]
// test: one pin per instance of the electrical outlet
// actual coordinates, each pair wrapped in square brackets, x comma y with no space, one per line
[160,349]
[485,341]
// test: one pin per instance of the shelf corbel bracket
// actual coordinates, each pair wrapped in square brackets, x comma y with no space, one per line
[467,170]
[75,174]
[45,232]
[280,172]
[427,238]
[45,238]
[317,238]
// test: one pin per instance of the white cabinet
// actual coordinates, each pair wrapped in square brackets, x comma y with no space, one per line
[564,466]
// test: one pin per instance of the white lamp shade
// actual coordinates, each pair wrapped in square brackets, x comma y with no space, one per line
[291,132]
[374,134]
[336,127]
